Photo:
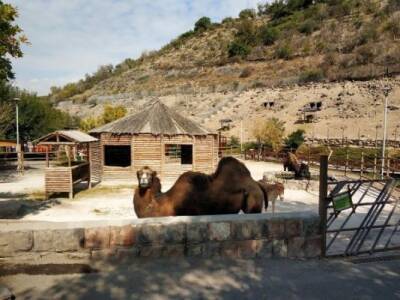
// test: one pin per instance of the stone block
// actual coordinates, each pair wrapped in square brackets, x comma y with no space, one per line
[249,230]
[61,240]
[97,238]
[196,250]
[312,247]
[124,236]
[196,233]
[296,247]
[213,249]
[150,234]
[173,251]
[279,248]
[127,253]
[229,249]
[264,248]
[103,254]
[310,226]
[293,227]
[173,234]
[219,231]
[153,251]
[15,241]
[276,228]
[247,249]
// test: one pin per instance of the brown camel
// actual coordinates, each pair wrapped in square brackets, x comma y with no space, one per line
[291,163]
[227,191]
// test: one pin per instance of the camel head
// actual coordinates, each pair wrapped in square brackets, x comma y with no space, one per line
[146,176]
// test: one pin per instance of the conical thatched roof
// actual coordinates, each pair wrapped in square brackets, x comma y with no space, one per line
[156,119]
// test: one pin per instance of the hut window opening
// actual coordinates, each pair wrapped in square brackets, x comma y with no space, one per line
[117,156]
[176,153]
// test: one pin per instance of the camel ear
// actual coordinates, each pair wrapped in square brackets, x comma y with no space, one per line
[154,174]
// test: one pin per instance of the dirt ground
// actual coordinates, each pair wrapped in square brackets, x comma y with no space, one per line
[111,199]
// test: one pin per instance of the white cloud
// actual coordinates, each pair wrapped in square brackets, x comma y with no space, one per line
[72,37]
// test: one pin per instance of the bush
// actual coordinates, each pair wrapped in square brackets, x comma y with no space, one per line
[247,14]
[227,20]
[247,33]
[202,24]
[237,48]
[295,139]
[283,52]
[368,33]
[393,25]
[268,35]
[308,26]
[311,75]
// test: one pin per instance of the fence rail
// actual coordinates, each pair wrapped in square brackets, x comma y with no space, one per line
[368,166]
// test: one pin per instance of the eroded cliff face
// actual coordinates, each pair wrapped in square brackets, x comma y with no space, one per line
[354,108]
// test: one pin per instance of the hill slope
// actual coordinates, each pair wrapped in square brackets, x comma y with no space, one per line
[222,70]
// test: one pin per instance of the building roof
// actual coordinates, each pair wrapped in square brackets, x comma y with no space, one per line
[156,119]
[8,143]
[65,137]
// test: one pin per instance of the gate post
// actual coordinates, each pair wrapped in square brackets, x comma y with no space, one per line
[323,192]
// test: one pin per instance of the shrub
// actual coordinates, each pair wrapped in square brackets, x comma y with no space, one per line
[311,75]
[268,35]
[308,26]
[227,20]
[393,25]
[364,54]
[202,24]
[295,139]
[283,52]
[368,33]
[247,14]
[237,48]
[247,33]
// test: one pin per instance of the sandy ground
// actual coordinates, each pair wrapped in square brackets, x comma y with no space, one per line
[113,199]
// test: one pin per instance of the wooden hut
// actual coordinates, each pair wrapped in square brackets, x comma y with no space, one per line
[157,137]
[63,175]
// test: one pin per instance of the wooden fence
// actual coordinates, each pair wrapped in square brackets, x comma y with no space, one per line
[366,165]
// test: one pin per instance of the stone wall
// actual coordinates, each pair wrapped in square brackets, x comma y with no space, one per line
[292,235]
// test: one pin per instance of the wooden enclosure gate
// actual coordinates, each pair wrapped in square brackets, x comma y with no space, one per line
[359,216]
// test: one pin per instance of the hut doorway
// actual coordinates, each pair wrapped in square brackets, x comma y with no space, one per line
[186,154]
[117,156]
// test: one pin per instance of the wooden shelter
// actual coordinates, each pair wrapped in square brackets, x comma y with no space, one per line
[75,168]
[156,137]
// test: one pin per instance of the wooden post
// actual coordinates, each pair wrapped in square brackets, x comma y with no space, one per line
[323,192]
[375,165]
[347,162]
[90,166]
[388,167]
[47,157]
[362,165]
[309,155]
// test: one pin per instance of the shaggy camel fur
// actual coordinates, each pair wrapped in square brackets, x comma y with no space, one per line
[227,191]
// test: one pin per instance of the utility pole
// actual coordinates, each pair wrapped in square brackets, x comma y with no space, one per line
[20,166]
[386,91]
[241,135]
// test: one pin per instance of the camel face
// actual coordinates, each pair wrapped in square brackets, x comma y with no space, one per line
[145,177]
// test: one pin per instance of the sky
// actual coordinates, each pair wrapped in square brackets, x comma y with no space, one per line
[70,38]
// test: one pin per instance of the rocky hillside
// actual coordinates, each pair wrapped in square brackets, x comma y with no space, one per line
[267,63]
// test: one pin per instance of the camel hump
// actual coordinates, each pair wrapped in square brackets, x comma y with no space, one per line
[231,164]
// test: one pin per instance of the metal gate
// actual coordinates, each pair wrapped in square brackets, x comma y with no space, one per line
[360,216]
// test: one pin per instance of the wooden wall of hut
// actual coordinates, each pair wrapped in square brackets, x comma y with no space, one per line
[149,150]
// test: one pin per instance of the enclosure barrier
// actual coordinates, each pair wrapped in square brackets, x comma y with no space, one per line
[289,235]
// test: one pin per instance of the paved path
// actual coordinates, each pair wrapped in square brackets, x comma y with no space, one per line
[219,279]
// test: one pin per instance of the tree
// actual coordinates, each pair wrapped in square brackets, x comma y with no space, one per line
[268,35]
[11,38]
[247,14]
[270,133]
[112,113]
[202,24]
[295,139]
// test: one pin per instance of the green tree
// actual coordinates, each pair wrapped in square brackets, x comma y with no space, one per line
[110,113]
[268,35]
[295,139]
[247,13]
[202,24]
[11,38]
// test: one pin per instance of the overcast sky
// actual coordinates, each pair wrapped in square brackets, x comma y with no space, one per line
[70,38]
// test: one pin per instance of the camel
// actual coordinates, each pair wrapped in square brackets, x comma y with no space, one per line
[291,163]
[227,191]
